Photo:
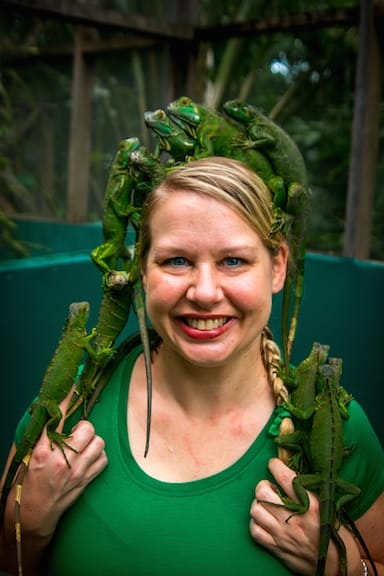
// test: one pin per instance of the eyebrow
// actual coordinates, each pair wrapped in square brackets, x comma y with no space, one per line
[223,251]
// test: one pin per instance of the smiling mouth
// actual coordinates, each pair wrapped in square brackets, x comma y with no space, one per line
[206,324]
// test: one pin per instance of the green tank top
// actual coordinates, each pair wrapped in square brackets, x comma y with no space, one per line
[128,523]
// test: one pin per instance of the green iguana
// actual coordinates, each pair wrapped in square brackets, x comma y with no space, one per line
[148,172]
[215,135]
[276,144]
[133,174]
[302,384]
[59,376]
[113,315]
[326,455]
[287,162]
[117,210]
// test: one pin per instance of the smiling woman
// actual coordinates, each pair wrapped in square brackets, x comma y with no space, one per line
[211,260]
[208,274]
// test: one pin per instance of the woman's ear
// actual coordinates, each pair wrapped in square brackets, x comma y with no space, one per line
[279,267]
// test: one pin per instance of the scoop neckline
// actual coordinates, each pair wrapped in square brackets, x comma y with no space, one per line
[191,486]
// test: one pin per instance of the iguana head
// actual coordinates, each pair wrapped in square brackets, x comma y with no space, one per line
[126,147]
[241,111]
[185,114]
[172,138]
[144,162]
[159,122]
[148,172]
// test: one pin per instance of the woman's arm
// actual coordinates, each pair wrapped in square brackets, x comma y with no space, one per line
[296,542]
[49,488]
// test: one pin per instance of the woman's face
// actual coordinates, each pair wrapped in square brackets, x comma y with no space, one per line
[209,279]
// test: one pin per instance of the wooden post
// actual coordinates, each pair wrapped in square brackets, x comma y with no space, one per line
[365,136]
[46,199]
[80,136]
[183,53]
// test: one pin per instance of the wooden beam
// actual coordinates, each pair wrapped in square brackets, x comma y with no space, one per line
[90,15]
[365,139]
[280,23]
[96,46]
[83,13]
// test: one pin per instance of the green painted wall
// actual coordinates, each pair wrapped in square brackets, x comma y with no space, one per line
[341,307]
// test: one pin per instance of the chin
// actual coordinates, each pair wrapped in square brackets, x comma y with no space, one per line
[201,356]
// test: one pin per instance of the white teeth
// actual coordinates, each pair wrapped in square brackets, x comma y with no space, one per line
[208,324]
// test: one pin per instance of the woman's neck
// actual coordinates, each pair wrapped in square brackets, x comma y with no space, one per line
[203,420]
[214,390]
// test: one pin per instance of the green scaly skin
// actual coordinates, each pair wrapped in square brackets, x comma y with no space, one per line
[287,162]
[327,452]
[117,210]
[171,138]
[139,306]
[113,315]
[298,206]
[263,133]
[60,375]
[302,386]
[134,173]
[148,172]
[215,135]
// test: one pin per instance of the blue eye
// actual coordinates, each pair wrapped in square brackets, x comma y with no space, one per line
[176,261]
[232,261]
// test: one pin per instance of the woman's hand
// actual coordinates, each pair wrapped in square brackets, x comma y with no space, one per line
[50,486]
[295,542]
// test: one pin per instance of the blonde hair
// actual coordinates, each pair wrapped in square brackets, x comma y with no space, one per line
[232,182]
[226,180]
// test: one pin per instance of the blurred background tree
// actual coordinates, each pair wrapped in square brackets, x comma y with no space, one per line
[77,79]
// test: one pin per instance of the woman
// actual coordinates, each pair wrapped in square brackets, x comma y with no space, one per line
[193,506]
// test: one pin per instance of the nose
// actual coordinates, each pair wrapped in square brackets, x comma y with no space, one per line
[205,288]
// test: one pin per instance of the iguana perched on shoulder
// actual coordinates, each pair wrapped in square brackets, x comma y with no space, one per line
[132,176]
[325,452]
[302,383]
[113,315]
[120,288]
[59,376]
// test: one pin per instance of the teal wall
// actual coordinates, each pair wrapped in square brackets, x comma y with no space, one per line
[341,307]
